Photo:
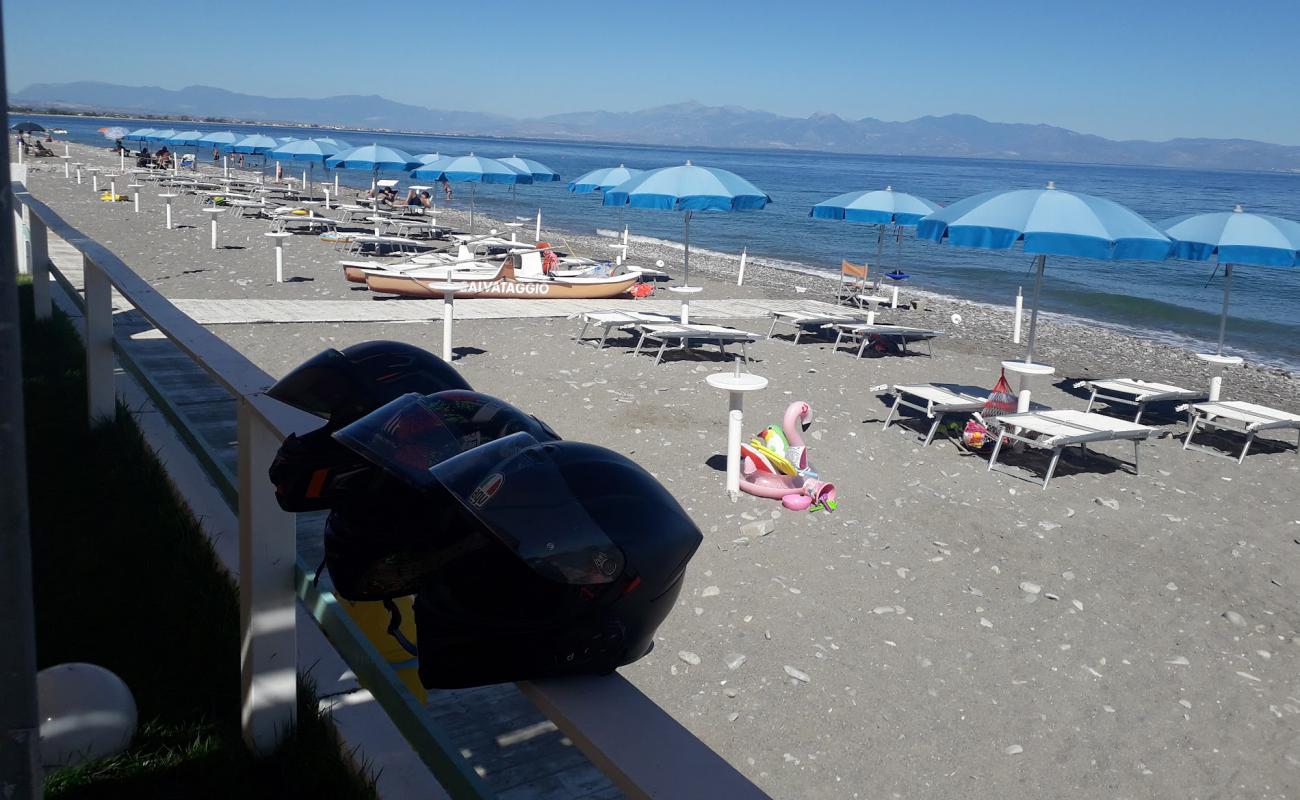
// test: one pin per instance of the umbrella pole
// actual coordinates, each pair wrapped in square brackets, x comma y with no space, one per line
[1223,317]
[1033,315]
[880,254]
[472,187]
[686,252]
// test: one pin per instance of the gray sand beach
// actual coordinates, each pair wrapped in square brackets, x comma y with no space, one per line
[948,631]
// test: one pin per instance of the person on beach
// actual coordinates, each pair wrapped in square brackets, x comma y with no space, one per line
[418,200]
[216,156]
[446,188]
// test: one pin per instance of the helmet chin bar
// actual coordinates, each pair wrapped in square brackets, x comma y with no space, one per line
[528,556]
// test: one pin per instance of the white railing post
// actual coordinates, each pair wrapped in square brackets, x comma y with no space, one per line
[40,266]
[100,396]
[267,600]
[20,239]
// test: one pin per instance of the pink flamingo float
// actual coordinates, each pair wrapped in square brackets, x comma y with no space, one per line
[775,464]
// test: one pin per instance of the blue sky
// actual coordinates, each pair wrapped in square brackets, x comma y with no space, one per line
[1133,69]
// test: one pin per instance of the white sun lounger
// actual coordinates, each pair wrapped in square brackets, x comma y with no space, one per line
[1057,430]
[1136,393]
[803,321]
[933,401]
[611,320]
[686,335]
[860,333]
[1235,415]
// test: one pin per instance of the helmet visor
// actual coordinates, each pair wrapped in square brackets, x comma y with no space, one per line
[407,436]
[320,385]
[515,490]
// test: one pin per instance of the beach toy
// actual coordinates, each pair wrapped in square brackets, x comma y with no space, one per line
[774,464]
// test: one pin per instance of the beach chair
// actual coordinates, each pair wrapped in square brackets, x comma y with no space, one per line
[1127,391]
[807,321]
[935,401]
[1235,415]
[853,281]
[687,335]
[611,320]
[1057,430]
[861,334]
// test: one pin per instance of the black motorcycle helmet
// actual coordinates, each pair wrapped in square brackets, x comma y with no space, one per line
[377,543]
[574,556]
[311,472]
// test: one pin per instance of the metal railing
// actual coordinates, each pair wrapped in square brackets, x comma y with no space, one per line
[641,747]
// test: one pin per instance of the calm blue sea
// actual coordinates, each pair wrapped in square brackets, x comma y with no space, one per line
[1169,300]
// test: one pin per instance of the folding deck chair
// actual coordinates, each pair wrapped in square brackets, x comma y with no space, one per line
[611,320]
[856,283]
[1135,393]
[938,401]
[1235,415]
[860,333]
[1057,430]
[684,335]
[804,321]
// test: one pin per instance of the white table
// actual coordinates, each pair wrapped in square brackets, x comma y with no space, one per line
[279,237]
[1218,364]
[448,289]
[686,292]
[1027,372]
[168,198]
[78,166]
[94,178]
[214,211]
[736,384]
[872,302]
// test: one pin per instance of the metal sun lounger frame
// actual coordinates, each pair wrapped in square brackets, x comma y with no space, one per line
[1063,428]
[803,321]
[938,403]
[620,320]
[1239,416]
[685,334]
[1136,393]
[861,333]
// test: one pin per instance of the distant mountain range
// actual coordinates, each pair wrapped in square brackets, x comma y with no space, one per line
[683,124]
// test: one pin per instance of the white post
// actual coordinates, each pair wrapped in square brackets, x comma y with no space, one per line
[225,166]
[735,421]
[94,181]
[214,231]
[100,398]
[40,266]
[112,188]
[20,152]
[20,239]
[336,184]
[1020,305]
[169,213]
[448,299]
[686,309]
[67,151]
[305,186]
[327,196]
[538,232]
[893,303]
[67,168]
[279,261]
[78,174]
[121,155]
[1216,387]
[625,237]
[740,276]
[267,601]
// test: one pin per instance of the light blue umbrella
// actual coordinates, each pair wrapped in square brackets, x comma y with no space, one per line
[221,138]
[540,172]
[1049,221]
[603,179]
[1234,237]
[877,207]
[185,139]
[309,151]
[688,188]
[373,157]
[473,170]
[159,135]
[139,134]
[256,144]
[429,158]
[338,144]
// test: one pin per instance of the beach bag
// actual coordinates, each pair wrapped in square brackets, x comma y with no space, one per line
[975,436]
[641,290]
[1001,400]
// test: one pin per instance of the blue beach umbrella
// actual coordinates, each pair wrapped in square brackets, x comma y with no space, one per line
[375,158]
[880,208]
[688,188]
[1234,237]
[256,144]
[1049,221]
[473,170]
[309,151]
[221,139]
[338,144]
[429,158]
[138,134]
[603,179]
[158,136]
[540,172]
[185,139]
